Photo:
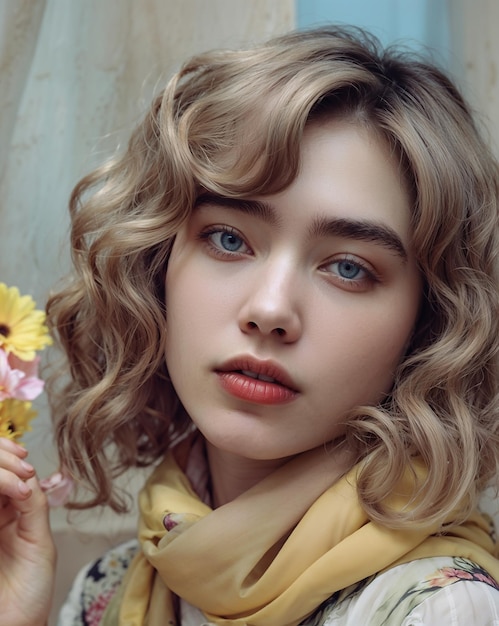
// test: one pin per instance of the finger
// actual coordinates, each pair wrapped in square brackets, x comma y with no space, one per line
[14,464]
[33,520]
[8,514]
[13,472]
[12,457]
[13,485]
[13,447]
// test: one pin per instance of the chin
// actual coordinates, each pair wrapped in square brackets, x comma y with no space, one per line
[251,449]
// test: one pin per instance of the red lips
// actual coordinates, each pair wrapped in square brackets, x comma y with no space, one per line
[260,382]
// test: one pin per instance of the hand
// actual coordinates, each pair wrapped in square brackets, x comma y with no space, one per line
[27,552]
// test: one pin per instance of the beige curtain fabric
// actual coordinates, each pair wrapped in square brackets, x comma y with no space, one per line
[474,30]
[74,77]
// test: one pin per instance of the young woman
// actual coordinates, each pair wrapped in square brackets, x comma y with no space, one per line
[285,298]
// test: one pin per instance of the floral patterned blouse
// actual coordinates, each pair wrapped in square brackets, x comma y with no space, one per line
[438,591]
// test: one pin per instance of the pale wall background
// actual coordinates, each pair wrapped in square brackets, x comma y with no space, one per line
[76,75]
[474,28]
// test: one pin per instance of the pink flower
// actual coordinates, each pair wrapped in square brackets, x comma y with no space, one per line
[19,379]
[57,488]
[447,576]
[97,608]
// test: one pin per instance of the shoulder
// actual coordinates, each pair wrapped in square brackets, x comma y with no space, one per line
[439,591]
[95,585]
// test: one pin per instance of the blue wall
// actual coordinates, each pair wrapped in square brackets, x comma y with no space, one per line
[416,22]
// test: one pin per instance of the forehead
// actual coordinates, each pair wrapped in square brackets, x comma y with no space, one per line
[348,186]
[347,170]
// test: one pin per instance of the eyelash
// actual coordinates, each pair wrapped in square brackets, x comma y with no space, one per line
[370,276]
[206,236]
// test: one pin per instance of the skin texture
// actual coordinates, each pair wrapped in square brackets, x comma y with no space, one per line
[27,552]
[289,285]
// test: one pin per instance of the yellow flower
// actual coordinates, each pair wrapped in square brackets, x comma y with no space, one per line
[5,430]
[15,418]
[22,328]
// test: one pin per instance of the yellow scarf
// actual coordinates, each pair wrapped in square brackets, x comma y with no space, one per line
[275,553]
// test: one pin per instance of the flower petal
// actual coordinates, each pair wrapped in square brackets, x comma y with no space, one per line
[57,488]
[25,330]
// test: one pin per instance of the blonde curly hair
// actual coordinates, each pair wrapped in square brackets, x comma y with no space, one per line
[231,122]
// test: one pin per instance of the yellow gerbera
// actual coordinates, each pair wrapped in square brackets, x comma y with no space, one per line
[22,328]
[5,430]
[15,418]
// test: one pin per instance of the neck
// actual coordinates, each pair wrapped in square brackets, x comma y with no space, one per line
[232,475]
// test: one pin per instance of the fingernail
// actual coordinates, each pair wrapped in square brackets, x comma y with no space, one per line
[23,488]
[27,467]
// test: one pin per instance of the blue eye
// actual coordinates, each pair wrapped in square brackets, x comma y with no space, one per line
[225,241]
[229,241]
[348,269]
[351,274]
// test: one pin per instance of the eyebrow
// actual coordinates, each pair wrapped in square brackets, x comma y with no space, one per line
[257,208]
[361,230]
[346,228]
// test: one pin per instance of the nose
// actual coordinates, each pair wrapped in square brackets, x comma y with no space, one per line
[272,307]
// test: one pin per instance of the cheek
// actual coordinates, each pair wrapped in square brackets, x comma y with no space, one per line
[363,346]
[191,304]
[177,308]
[371,328]
[387,335]
[385,342]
